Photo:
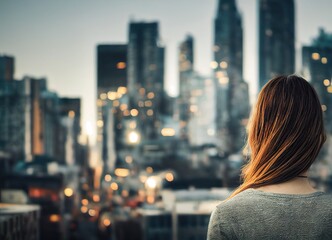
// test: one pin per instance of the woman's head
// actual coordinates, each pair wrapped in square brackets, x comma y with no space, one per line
[285,132]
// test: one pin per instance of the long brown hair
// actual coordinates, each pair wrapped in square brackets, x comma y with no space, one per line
[285,132]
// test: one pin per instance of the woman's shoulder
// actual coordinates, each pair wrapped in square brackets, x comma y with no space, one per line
[252,198]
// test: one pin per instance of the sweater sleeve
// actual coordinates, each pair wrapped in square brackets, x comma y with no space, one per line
[217,228]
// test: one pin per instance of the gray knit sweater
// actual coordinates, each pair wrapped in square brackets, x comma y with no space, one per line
[253,214]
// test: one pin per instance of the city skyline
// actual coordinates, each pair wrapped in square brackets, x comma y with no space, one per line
[56,41]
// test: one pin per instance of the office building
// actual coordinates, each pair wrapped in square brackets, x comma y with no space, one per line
[317,68]
[146,75]
[232,98]
[7,67]
[276,39]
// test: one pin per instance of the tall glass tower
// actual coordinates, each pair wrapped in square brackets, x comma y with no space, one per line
[276,39]
[232,99]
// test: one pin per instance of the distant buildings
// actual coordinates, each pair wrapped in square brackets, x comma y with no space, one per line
[111,77]
[32,121]
[276,39]
[146,76]
[132,102]
[317,68]
[111,67]
[232,97]
[186,71]
[7,67]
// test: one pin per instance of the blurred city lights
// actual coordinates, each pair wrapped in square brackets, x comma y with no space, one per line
[168,132]
[326,82]
[96,198]
[84,209]
[121,172]
[213,64]
[71,114]
[85,202]
[107,222]
[92,212]
[149,170]
[151,183]
[133,137]
[108,178]
[114,186]
[134,112]
[68,192]
[121,65]
[315,56]
[169,177]
[54,218]
[122,90]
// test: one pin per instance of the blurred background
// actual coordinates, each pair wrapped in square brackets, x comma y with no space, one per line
[126,119]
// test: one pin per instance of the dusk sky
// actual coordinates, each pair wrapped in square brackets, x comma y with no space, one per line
[57,39]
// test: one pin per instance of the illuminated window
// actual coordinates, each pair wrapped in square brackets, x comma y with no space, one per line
[114,186]
[134,112]
[112,95]
[103,96]
[223,65]
[149,112]
[122,90]
[213,64]
[123,106]
[121,65]
[150,95]
[326,82]
[100,123]
[315,56]
[71,114]
[329,89]
[148,103]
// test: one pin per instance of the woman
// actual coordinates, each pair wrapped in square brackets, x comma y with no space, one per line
[276,200]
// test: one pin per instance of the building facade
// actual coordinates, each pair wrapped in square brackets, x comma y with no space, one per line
[317,68]
[276,39]
[232,98]
[146,76]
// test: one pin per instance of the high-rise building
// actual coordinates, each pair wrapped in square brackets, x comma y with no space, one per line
[276,39]
[186,72]
[6,68]
[70,117]
[111,85]
[186,63]
[232,98]
[317,68]
[12,118]
[111,67]
[146,75]
[30,120]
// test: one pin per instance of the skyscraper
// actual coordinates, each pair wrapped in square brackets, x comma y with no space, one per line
[317,68]
[111,67]
[232,100]
[276,39]
[146,74]
[111,85]
[6,68]
[186,72]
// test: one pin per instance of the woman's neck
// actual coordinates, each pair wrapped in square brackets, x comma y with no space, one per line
[297,185]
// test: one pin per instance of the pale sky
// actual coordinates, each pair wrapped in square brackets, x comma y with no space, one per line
[57,39]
